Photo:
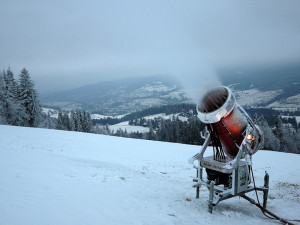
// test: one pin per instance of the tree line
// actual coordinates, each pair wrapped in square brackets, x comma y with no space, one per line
[19,101]
[78,120]
[281,137]
[20,106]
[184,109]
[160,129]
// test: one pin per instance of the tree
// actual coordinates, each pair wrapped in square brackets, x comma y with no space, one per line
[150,134]
[286,136]
[35,110]
[271,142]
[298,140]
[66,121]
[48,122]
[72,121]
[2,115]
[78,121]
[86,121]
[60,124]
[194,128]
[11,108]
[28,98]
[162,133]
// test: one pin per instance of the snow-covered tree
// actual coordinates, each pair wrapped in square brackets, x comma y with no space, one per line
[270,141]
[60,124]
[86,122]
[286,136]
[48,122]
[150,134]
[28,98]
[72,121]
[66,121]
[12,110]
[298,140]
[78,121]
[35,110]
[2,115]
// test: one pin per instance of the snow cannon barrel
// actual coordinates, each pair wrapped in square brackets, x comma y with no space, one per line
[227,121]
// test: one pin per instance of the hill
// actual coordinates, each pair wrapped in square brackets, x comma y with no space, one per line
[120,96]
[59,177]
[276,87]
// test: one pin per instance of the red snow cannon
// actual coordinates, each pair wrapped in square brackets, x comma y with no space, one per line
[227,122]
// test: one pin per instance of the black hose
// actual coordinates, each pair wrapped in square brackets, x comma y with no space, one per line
[264,210]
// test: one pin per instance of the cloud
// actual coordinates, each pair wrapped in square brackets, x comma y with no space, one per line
[85,42]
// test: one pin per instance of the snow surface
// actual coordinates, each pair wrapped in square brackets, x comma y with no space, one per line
[166,117]
[61,177]
[253,97]
[296,117]
[99,116]
[53,112]
[129,128]
[289,104]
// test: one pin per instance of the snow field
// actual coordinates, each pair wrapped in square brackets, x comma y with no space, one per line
[60,177]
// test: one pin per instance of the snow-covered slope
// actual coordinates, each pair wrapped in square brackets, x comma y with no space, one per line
[59,177]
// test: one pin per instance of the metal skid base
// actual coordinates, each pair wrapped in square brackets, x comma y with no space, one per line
[227,178]
[218,193]
[238,186]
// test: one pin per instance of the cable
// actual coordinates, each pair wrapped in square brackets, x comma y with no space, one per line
[267,211]
[264,210]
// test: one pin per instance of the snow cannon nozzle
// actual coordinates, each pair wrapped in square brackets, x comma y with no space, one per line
[228,123]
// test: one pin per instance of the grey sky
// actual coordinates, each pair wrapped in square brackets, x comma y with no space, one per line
[66,44]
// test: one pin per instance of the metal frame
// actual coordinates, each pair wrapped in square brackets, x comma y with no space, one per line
[218,193]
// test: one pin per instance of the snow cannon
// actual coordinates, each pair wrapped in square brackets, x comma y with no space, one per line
[228,122]
[233,138]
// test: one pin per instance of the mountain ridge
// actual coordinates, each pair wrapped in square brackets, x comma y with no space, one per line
[271,87]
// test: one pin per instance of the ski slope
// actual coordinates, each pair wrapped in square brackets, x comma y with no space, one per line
[70,178]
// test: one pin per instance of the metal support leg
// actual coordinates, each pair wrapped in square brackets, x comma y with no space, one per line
[211,196]
[197,188]
[266,185]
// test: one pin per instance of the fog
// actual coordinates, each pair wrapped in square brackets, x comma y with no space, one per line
[66,44]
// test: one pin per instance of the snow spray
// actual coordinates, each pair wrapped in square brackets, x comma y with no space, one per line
[196,82]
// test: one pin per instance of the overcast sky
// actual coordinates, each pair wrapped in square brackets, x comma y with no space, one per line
[65,44]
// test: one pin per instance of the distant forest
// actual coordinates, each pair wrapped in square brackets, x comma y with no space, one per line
[281,134]
[185,109]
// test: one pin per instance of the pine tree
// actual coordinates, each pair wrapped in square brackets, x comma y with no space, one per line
[78,121]
[48,122]
[150,134]
[60,124]
[66,121]
[72,121]
[286,137]
[88,122]
[11,108]
[290,140]
[35,110]
[28,98]
[2,115]
[194,129]
[270,141]
[162,133]
[298,140]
